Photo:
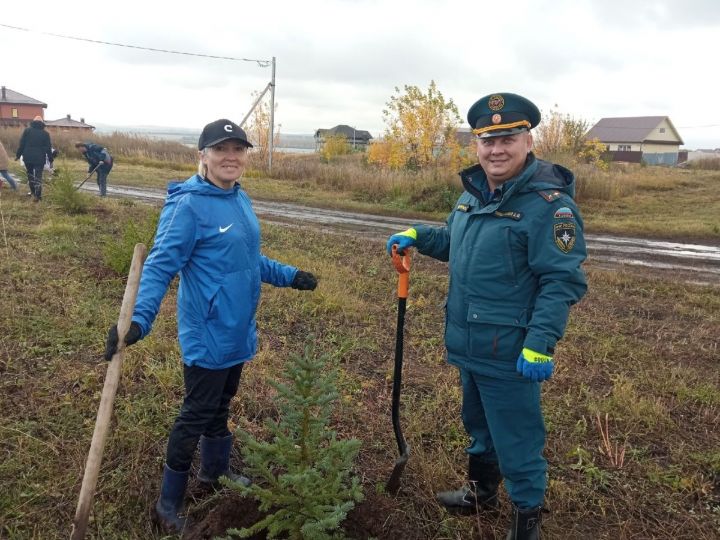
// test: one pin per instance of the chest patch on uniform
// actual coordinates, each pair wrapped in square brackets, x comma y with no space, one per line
[565,236]
[463,207]
[517,216]
[563,213]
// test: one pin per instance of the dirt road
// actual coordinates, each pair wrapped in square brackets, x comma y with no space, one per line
[687,262]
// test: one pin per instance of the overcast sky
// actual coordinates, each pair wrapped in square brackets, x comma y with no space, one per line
[338,62]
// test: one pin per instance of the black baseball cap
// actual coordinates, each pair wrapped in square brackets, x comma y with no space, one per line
[222,130]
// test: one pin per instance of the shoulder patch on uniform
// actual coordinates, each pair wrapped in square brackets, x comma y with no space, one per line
[549,194]
[565,235]
[564,213]
[517,216]
[463,207]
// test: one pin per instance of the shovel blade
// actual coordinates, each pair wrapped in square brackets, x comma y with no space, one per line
[393,484]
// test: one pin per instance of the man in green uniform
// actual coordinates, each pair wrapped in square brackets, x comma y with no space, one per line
[515,244]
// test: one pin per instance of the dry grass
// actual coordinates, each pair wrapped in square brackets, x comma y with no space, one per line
[640,350]
[625,199]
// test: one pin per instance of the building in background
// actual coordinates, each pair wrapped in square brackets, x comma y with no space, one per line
[69,125]
[357,138]
[635,139]
[17,109]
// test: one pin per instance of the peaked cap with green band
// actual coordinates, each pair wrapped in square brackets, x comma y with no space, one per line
[496,115]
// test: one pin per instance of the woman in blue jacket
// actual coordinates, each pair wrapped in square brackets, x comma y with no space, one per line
[207,233]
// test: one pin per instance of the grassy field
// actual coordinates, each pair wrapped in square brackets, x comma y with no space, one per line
[655,202]
[639,351]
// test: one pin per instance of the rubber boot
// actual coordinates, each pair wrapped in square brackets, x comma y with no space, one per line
[215,461]
[169,505]
[481,491]
[525,524]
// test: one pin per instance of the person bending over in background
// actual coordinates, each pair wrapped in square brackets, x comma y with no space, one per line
[4,165]
[208,233]
[36,149]
[98,158]
[515,245]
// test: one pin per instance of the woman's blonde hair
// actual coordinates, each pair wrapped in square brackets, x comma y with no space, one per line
[202,168]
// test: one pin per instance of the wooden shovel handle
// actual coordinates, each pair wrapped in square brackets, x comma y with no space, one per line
[112,378]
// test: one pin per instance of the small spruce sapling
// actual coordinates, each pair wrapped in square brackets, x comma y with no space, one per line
[303,475]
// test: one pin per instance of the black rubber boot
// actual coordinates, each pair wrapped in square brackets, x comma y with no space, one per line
[169,505]
[525,524]
[481,491]
[215,461]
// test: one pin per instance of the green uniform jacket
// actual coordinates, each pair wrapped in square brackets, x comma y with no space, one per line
[514,266]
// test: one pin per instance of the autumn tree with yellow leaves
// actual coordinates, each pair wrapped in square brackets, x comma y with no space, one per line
[258,128]
[564,134]
[421,129]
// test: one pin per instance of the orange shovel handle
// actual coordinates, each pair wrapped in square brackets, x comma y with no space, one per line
[402,265]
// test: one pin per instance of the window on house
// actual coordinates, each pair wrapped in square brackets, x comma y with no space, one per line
[624,147]
[662,130]
[14,112]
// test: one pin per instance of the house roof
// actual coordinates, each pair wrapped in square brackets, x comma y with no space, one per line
[464,136]
[11,96]
[629,129]
[68,122]
[347,131]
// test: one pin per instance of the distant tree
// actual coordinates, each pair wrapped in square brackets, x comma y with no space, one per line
[334,146]
[389,154]
[560,134]
[303,475]
[594,151]
[420,128]
[258,127]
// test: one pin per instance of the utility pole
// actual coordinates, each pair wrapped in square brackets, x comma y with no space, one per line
[272,116]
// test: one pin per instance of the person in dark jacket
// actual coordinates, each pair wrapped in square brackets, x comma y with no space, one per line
[35,149]
[208,233]
[98,158]
[515,246]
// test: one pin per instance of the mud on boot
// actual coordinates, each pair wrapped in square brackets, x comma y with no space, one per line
[215,462]
[169,505]
[481,493]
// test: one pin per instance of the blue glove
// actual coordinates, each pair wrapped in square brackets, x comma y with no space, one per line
[534,365]
[403,240]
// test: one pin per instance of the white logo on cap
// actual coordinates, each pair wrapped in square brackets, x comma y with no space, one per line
[228,128]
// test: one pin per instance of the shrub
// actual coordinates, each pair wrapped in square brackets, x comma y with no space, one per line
[62,192]
[334,146]
[118,252]
[304,474]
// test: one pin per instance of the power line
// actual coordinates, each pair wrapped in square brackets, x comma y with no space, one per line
[261,63]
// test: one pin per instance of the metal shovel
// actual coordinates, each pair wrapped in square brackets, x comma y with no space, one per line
[88,176]
[402,265]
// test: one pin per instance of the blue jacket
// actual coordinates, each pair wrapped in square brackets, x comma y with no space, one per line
[212,238]
[514,266]
[95,154]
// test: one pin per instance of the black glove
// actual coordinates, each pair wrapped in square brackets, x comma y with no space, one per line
[304,281]
[132,336]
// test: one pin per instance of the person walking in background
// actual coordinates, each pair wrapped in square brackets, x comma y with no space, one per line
[35,149]
[515,246]
[98,158]
[208,233]
[4,166]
